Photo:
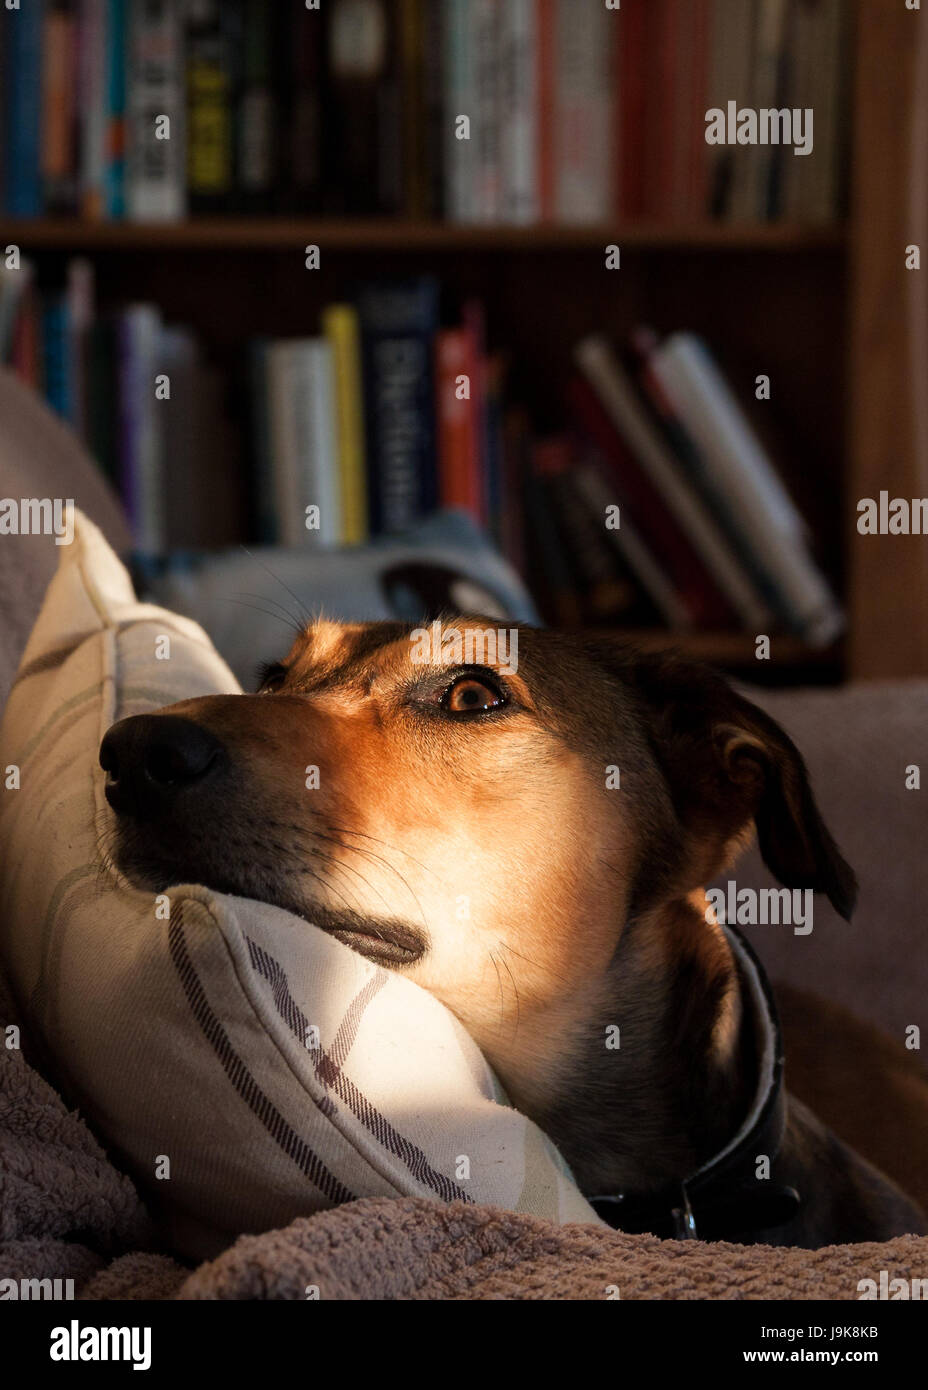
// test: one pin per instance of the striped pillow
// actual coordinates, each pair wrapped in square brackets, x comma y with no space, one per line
[243,1067]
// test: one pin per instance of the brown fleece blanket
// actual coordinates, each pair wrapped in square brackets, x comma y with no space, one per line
[67,1213]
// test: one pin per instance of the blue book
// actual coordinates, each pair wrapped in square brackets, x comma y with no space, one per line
[23,64]
[55,356]
[114,177]
[399,320]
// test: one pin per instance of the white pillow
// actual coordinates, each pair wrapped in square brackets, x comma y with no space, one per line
[183,1038]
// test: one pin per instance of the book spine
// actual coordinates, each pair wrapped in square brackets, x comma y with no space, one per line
[24,109]
[281,395]
[461,101]
[622,405]
[313,411]
[155,165]
[256,112]
[114,172]
[458,460]
[433,20]
[141,455]
[59,107]
[92,66]
[519,200]
[583,115]
[634,550]
[414,116]
[303,36]
[340,325]
[210,119]
[487,116]
[398,326]
[642,504]
[55,356]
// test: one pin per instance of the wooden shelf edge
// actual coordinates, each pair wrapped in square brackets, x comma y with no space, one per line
[280,233]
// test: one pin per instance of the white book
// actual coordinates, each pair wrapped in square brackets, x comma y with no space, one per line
[155,167]
[317,438]
[739,473]
[643,437]
[634,551]
[583,162]
[519,106]
[303,441]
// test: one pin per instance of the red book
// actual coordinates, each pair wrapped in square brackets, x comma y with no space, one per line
[696,194]
[458,437]
[658,528]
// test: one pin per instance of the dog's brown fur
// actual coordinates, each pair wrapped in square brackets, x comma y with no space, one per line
[486,858]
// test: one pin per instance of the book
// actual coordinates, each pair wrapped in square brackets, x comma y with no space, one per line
[341,327]
[519,108]
[632,547]
[59,107]
[458,436]
[630,136]
[211,45]
[617,394]
[730,70]
[460,61]
[362,114]
[583,163]
[399,320]
[155,157]
[304,39]
[741,478]
[605,586]
[92,87]
[114,167]
[23,31]
[257,114]
[303,446]
[487,118]
[643,507]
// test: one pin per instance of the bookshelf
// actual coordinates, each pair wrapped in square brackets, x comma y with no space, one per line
[829,312]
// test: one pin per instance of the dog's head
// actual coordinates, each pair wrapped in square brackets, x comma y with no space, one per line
[485,818]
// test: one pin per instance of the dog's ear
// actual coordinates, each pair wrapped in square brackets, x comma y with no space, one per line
[726,763]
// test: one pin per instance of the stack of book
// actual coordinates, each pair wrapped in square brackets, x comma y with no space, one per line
[488,111]
[654,503]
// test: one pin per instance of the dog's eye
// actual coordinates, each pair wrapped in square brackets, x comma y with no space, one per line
[271,677]
[472,695]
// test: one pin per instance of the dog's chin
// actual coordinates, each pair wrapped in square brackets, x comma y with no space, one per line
[384,941]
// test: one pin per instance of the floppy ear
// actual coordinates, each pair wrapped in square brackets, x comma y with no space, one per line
[726,763]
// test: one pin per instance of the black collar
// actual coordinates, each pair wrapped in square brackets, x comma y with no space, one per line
[724,1199]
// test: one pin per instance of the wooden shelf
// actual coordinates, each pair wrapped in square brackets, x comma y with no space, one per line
[281,233]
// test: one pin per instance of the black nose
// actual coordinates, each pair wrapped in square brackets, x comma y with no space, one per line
[152,758]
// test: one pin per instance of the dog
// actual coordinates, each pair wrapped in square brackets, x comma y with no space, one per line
[533,847]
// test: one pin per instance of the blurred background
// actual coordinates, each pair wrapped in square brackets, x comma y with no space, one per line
[451,301]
